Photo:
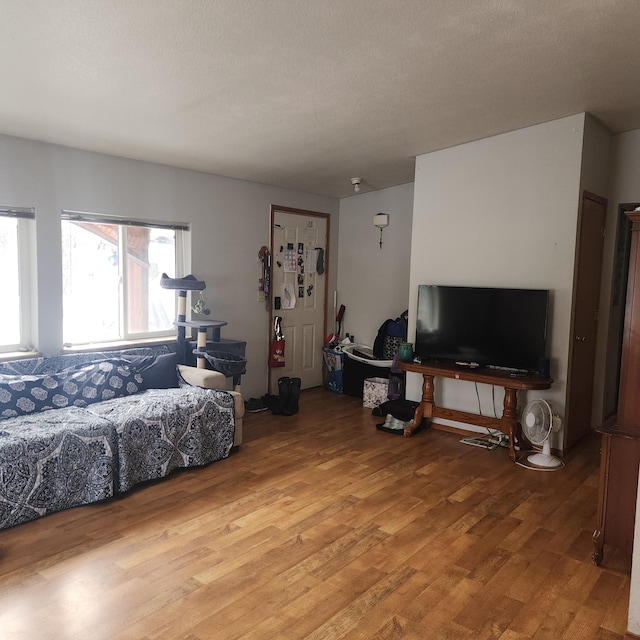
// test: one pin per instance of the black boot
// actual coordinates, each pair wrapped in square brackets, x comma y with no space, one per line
[294,396]
[283,396]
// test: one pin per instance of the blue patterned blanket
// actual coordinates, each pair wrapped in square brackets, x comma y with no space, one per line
[60,458]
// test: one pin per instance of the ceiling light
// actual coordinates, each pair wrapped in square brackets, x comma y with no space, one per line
[356,184]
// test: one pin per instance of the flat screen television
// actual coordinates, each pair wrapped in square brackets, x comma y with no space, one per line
[504,328]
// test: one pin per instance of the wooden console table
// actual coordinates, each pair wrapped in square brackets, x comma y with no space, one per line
[512,383]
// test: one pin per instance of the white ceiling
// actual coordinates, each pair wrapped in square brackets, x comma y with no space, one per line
[306,94]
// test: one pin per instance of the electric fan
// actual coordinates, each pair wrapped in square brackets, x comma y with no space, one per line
[537,425]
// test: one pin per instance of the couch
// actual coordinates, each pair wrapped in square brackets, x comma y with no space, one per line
[80,428]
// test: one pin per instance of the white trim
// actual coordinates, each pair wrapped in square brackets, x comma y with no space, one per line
[181,249]
[25,235]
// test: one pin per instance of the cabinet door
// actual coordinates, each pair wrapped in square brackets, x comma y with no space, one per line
[620,461]
[629,397]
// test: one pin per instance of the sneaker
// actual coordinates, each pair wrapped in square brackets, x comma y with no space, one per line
[255,405]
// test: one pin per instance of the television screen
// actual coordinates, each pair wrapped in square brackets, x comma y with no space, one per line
[488,326]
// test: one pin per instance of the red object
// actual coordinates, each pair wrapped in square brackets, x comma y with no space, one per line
[331,340]
[276,359]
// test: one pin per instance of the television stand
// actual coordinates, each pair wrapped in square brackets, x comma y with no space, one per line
[511,383]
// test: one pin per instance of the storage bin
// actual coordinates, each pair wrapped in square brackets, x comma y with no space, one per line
[374,392]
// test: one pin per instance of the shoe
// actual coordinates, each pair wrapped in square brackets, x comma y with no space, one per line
[255,405]
[291,406]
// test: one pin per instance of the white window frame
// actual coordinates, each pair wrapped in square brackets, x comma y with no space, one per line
[26,239]
[182,231]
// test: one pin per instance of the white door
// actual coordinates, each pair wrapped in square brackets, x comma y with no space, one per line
[298,286]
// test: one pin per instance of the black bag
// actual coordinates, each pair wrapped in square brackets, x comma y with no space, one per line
[378,343]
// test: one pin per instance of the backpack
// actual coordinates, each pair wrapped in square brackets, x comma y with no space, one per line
[390,334]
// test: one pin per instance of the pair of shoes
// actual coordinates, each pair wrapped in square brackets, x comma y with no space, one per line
[255,405]
[288,396]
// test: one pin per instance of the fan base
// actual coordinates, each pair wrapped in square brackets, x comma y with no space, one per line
[543,460]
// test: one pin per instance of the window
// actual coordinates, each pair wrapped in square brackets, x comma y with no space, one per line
[111,271]
[15,240]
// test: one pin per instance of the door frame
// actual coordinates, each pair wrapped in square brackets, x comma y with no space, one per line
[567,442]
[617,304]
[308,214]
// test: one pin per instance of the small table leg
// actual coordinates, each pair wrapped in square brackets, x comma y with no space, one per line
[425,409]
[598,546]
[509,419]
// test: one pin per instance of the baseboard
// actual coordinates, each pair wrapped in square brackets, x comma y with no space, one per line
[457,430]
[465,433]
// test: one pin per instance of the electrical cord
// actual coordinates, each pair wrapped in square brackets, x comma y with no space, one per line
[493,400]
[503,438]
[478,396]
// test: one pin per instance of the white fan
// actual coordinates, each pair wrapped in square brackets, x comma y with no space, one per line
[537,425]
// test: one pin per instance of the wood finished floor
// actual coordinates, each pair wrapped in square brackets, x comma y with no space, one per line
[322,527]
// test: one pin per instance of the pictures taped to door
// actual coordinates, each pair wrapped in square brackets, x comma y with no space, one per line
[290,258]
[303,261]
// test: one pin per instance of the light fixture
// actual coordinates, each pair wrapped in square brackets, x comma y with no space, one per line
[381,220]
[356,184]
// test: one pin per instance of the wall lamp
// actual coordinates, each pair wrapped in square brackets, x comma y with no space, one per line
[381,220]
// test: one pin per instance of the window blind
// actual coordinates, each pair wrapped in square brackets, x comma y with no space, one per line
[81,216]
[17,212]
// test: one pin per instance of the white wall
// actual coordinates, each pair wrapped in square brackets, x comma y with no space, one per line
[501,212]
[229,218]
[373,283]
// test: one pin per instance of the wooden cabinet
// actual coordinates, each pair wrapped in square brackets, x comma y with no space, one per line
[620,454]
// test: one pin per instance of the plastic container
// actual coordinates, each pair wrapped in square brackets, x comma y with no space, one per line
[358,368]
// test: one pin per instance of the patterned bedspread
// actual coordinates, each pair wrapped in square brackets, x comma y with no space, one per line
[163,429]
[53,460]
[63,458]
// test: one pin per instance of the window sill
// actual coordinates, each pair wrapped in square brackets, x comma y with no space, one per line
[115,346]
[9,356]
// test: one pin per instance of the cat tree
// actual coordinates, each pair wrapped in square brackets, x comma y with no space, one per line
[225,356]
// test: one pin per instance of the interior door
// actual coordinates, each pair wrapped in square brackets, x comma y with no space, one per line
[585,319]
[298,288]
